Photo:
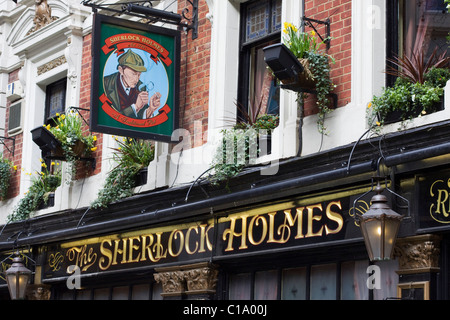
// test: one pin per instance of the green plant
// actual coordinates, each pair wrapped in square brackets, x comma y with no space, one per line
[6,169]
[237,150]
[300,43]
[131,156]
[305,46]
[266,122]
[68,129]
[43,184]
[437,77]
[409,99]
[415,66]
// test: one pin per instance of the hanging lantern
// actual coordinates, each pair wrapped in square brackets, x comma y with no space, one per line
[17,278]
[379,226]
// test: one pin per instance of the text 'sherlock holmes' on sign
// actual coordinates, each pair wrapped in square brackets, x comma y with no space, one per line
[275,227]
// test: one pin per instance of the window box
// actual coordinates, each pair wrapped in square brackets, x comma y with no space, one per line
[410,112]
[45,139]
[141,177]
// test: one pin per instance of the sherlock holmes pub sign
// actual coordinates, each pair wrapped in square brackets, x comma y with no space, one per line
[282,226]
[135,79]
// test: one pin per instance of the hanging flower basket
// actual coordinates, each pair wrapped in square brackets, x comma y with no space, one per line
[45,139]
[306,78]
[78,150]
[48,143]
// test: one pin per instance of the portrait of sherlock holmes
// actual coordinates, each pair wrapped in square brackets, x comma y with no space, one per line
[122,88]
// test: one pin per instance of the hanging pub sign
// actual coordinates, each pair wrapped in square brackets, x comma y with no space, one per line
[135,79]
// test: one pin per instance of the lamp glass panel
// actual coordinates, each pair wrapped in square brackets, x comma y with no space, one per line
[372,237]
[11,280]
[17,284]
[391,227]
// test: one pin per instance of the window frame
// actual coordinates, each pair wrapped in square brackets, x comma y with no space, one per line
[245,52]
[48,92]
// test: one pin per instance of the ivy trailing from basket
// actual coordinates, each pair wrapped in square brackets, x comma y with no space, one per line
[239,146]
[43,184]
[6,169]
[131,156]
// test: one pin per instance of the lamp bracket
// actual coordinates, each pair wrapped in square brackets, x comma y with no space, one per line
[144,10]
[376,180]
[309,22]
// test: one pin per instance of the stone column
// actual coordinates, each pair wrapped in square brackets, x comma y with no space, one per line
[194,282]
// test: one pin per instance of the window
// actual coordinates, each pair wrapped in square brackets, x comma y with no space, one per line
[261,26]
[140,291]
[332,281]
[55,99]
[410,21]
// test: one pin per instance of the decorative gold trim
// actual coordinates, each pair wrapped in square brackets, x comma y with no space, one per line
[425,285]
[419,254]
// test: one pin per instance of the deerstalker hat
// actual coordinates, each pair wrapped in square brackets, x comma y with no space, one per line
[132,60]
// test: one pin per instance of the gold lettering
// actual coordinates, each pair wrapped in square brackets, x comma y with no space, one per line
[174,235]
[158,248]
[84,260]
[442,194]
[334,216]
[299,218]
[204,237]
[255,221]
[188,238]
[146,248]
[107,255]
[118,251]
[311,219]
[232,233]
[133,247]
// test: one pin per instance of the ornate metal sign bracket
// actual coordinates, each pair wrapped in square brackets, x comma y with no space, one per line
[188,20]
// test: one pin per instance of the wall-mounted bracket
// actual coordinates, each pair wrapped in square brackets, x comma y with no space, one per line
[299,89]
[309,22]
[145,11]
[2,141]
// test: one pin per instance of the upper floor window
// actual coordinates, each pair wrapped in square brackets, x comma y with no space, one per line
[260,27]
[55,99]
[414,24]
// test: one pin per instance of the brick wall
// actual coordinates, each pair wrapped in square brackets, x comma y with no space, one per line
[14,188]
[340,13]
[194,76]
[85,103]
